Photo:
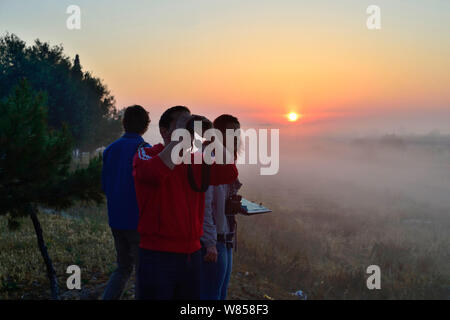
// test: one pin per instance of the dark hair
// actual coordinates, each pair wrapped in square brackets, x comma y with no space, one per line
[221,122]
[135,119]
[166,118]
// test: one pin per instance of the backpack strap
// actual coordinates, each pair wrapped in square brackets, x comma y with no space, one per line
[206,173]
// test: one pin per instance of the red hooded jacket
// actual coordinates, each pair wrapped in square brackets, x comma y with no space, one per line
[170,212]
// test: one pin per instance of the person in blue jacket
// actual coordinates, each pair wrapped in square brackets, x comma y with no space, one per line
[118,185]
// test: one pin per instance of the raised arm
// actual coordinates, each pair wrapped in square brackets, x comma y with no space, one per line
[151,170]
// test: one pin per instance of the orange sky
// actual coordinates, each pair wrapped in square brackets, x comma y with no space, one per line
[259,60]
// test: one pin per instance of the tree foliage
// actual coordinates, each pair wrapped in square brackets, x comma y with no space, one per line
[35,168]
[74,97]
[35,159]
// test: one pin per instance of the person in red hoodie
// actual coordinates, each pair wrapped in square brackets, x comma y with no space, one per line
[171,215]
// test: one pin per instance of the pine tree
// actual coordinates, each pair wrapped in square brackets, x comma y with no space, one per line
[76,68]
[35,167]
[74,97]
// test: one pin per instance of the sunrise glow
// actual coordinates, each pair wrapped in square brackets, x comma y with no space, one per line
[293,116]
[314,58]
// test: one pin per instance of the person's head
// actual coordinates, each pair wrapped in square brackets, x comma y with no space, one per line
[135,120]
[168,121]
[224,122]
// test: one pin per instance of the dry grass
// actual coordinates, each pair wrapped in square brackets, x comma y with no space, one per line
[81,240]
[318,249]
[325,251]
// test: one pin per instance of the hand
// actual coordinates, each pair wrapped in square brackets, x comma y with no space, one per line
[166,154]
[211,254]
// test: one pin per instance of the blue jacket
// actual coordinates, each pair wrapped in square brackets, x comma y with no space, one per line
[118,182]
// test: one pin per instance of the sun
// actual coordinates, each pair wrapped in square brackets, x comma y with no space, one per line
[293,116]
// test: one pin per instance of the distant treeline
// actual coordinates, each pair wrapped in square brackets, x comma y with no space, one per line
[74,97]
[433,139]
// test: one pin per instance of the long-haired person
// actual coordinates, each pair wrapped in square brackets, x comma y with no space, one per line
[218,228]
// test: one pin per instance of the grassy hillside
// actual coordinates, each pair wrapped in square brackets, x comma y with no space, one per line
[82,237]
[326,253]
[323,253]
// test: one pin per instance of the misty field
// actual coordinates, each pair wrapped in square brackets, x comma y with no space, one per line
[324,250]
[341,206]
[336,210]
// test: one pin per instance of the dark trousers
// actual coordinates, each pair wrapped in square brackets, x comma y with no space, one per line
[216,275]
[168,275]
[127,246]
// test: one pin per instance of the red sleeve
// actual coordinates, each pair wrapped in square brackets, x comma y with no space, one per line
[223,174]
[150,170]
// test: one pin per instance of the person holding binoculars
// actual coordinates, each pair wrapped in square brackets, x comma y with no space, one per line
[171,213]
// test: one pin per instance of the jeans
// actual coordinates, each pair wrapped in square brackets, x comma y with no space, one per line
[168,275]
[216,275]
[127,245]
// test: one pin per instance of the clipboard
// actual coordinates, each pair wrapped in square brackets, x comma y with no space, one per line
[251,208]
